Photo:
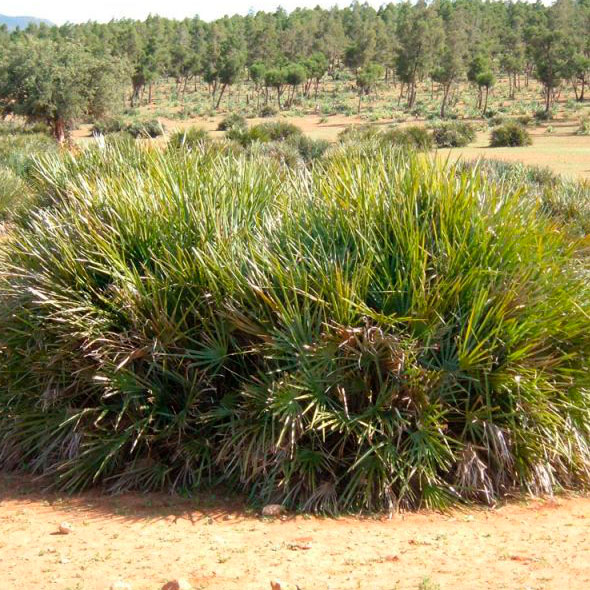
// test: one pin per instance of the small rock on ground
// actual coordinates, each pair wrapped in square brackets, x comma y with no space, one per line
[65,528]
[179,584]
[273,510]
[120,585]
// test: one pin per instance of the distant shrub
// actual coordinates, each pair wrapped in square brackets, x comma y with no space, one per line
[584,128]
[309,149]
[265,132]
[151,128]
[354,133]
[278,130]
[543,115]
[106,126]
[189,138]
[414,136]
[510,134]
[283,152]
[233,121]
[453,134]
[268,111]
[524,120]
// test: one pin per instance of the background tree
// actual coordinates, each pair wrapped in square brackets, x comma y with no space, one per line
[276,78]
[58,82]
[446,73]
[485,80]
[550,53]
[367,79]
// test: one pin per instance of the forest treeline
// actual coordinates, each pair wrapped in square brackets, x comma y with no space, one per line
[59,74]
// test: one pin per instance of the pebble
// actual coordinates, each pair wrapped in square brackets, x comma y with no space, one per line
[273,510]
[65,528]
[179,584]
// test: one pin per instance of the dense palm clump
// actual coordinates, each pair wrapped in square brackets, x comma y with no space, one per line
[381,331]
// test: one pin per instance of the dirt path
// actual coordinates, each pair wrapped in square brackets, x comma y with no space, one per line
[147,540]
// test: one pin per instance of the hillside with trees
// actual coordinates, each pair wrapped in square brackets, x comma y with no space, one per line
[20,22]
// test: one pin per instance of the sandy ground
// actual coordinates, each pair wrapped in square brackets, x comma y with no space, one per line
[147,540]
[562,150]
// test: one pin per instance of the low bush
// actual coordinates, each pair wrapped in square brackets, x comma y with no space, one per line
[265,132]
[564,200]
[232,122]
[268,111]
[510,134]
[309,149]
[13,194]
[413,136]
[107,126]
[453,133]
[359,133]
[190,138]
[543,115]
[584,128]
[151,128]
[382,331]
[18,152]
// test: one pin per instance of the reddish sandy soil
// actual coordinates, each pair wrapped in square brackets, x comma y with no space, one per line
[146,540]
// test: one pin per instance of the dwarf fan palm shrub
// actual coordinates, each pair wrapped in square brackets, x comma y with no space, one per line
[382,330]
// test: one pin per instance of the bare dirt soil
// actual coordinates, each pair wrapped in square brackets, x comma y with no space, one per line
[215,544]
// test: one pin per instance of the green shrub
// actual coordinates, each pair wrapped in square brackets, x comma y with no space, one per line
[152,128]
[19,151]
[190,138]
[309,149]
[584,128]
[453,133]
[564,200]
[381,331]
[265,132]
[543,116]
[359,133]
[413,136]
[510,134]
[232,121]
[107,126]
[283,152]
[268,111]
[13,194]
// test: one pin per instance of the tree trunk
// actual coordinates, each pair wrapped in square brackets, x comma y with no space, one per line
[443,106]
[59,130]
[220,96]
[485,104]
